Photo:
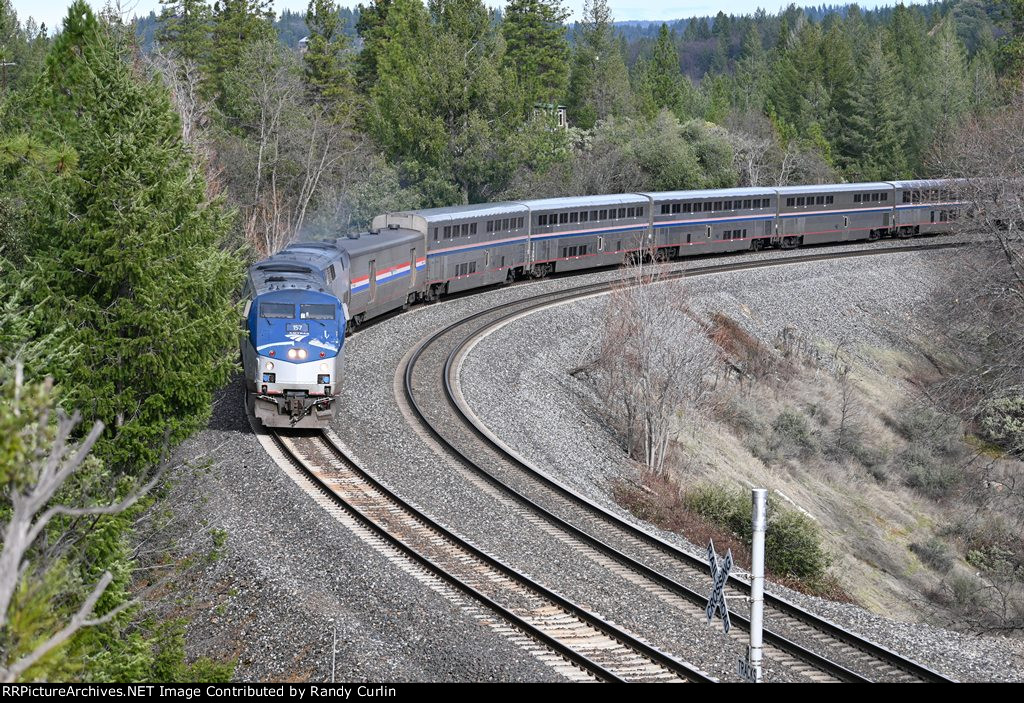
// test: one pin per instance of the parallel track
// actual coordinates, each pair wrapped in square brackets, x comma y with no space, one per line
[586,640]
[669,571]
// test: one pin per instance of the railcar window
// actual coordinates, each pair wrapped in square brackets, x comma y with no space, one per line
[604,214]
[819,200]
[504,225]
[884,196]
[622,212]
[472,228]
[856,197]
[584,215]
[593,216]
[574,217]
[316,311]
[472,267]
[789,202]
[436,233]
[800,202]
[563,217]
[490,225]
[277,310]
[639,212]
[874,197]
[665,209]
[829,199]
[708,206]
[687,207]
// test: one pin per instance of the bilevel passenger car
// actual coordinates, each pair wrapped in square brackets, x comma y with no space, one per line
[422,255]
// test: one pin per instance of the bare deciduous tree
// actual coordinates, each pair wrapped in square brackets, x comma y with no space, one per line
[39,459]
[652,367]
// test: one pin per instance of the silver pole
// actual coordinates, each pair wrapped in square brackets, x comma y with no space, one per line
[757,579]
[334,649]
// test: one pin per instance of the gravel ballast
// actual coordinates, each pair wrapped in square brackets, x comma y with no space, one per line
[287,566]
[517,381]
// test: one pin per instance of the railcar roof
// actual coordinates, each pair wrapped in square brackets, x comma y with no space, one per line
[701,194]
[586,201]
[367,242]
[834,188]
[455,212]
[924,183]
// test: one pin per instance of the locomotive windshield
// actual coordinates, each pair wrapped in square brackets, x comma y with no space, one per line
[280,310]
[311,311]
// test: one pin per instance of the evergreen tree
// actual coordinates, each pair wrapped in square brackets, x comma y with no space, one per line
[327,73]
[663,77]
[751,75]
[185,29]
[124,248]
[598,82]
[370,29]
[872,137]
[536,48]
[236,25]
[441,106]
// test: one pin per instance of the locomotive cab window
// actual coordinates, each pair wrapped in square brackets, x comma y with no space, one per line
[284,311]
[316,311]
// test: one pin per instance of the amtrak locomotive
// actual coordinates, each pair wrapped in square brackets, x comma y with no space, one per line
[303,300]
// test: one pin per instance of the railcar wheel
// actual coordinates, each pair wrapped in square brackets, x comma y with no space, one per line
[540,270]
[509,278]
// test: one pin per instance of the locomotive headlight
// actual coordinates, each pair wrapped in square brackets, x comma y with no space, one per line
[293,353]
[324,367]
[302,353]
[269,366]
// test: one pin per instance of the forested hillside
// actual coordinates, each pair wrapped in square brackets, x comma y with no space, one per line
[143,162]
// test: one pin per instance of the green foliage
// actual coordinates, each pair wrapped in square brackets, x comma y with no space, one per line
[922,471]
[935,553]
[441,107]
[185,27]
[123,250]
[536,49]
[791,434]
[235,26]
[793,543]
[1002,421]
[327,72]
[598,80]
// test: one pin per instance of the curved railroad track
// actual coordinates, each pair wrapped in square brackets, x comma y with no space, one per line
[597,648]
[795,639]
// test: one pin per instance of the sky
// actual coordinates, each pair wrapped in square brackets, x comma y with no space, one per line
[52,11]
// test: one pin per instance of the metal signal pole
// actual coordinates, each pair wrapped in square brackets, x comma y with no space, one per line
[759,496]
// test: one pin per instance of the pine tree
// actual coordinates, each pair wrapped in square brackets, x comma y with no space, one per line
[537,50]
[125,250]
[872,143]
[236,25]
[599,81]
[327,74]
[185,29]
[369,27]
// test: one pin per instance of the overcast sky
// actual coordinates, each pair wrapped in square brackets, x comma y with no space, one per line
[52,11]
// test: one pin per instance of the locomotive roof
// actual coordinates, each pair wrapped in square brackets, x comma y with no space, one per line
[586,201]
[717,193]
[299,266]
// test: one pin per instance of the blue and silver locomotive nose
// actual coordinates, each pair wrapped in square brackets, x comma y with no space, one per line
[293,357]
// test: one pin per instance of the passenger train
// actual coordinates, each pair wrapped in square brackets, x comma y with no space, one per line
[303,300]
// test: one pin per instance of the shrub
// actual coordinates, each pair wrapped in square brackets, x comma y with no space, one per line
[793,546]
[921,471]
[1002,422]
[935,553]
[791,434]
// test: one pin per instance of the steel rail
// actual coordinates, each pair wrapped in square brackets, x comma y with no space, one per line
[679,668]
[532,303]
